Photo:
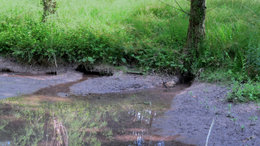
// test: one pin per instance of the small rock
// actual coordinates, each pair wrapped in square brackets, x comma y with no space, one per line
[169,84]
[230,115]
[252,124]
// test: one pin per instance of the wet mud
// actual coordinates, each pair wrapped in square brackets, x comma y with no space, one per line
[96,119]
[74,109]
[120,82]
[193,111]
[18,84]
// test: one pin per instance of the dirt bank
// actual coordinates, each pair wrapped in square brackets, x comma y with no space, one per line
[12,65]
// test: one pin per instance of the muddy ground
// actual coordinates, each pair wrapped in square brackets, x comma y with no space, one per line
[17,84]
[18,79]
[190,114]
[193,111]
[119,82]
[75,83]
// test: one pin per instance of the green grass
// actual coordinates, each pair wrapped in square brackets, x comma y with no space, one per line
[145,33]
[244,92]
[242,89]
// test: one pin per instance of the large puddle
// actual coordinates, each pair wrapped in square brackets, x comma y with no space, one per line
[44,118]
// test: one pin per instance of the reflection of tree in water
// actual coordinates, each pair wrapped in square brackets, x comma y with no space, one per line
[83,122]
[146,116]
[79,123]
[47,124]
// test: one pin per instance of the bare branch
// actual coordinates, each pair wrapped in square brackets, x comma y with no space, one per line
[180,8]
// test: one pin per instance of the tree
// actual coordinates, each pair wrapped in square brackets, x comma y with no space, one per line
[196,31]
[49,7]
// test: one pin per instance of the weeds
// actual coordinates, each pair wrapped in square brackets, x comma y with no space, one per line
[229,110]
[242,128]
[244,92]
[253,118]
[67,126]
[243,89]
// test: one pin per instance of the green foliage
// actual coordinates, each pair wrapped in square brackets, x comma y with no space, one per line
[78,118]
[94,120]
[253,62]
[243,89]
[142,35]
[244,92]
[49,8]
[222,75]
[37,123]
[148,33]
[34,132]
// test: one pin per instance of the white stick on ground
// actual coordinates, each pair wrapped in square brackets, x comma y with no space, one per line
[212,124]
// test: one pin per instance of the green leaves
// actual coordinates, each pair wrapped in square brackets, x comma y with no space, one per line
[244,92]
[149,36]
[88,59]
[123,60]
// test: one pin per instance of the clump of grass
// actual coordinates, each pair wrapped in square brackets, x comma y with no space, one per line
[244,92]
[243,89]
[213,75]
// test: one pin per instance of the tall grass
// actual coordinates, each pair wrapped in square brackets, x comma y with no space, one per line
[148,33]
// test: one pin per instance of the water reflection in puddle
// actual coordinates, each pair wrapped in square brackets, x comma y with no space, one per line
[107,119]
[5,143]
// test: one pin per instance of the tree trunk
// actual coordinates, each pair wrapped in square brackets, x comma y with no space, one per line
[196,33]
[49,7]
[196,30]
